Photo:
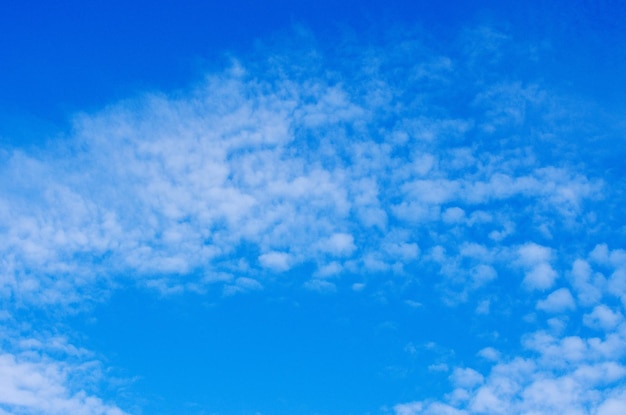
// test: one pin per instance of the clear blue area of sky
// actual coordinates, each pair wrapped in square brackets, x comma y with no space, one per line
[286,349]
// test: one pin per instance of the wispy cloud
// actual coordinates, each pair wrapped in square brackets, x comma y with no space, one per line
[379,164]
[43,373]
[171,185]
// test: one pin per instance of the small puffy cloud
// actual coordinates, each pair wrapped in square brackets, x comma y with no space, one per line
[466,378]
[453,215]
[617,283]
[603,317]
[508,228]
[276,261]
[558,301]
[375,263]
[532,254]
[338,244]
[482,274]
[358,286]
[489,353]
[600,254]
[535,259]
[587,285]
[540,277]
[476,251]
[410,408]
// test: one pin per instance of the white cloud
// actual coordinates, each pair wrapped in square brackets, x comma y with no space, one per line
[603,255]
[558,301]
[489,353]
[293,169]
[535,259]
[466,378]
[613,406]
[569,375]
[600,254]
[482,274]
[32,382]
[453,215]
[358,286]
[339,244]
[257,172]
[402,251]
[556,372]
[531,254]
[329,270]
[617,283]
[432,192]
[411,408]
[588,287]
[603,317]
[277,261]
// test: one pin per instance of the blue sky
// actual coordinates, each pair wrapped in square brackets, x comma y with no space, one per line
[312,208]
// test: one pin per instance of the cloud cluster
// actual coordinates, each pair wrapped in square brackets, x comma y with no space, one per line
[560,370]
[261,169]
[43,373]
[396,161]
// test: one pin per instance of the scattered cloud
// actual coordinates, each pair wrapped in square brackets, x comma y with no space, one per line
[539,273]
[558,301]
[45,374]
[276,261]
[423,174]
[603,317]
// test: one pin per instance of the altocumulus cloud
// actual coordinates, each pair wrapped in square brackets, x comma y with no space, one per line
[367,165]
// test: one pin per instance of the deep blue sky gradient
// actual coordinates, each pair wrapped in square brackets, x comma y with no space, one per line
[103,110]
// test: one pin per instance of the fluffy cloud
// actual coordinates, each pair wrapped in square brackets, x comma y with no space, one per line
[276,261]
[45,374]
[558,301]
[338,244]
[287,168]
[40,388]
[369,166]
[603,317]
[536,260]
[558,371]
